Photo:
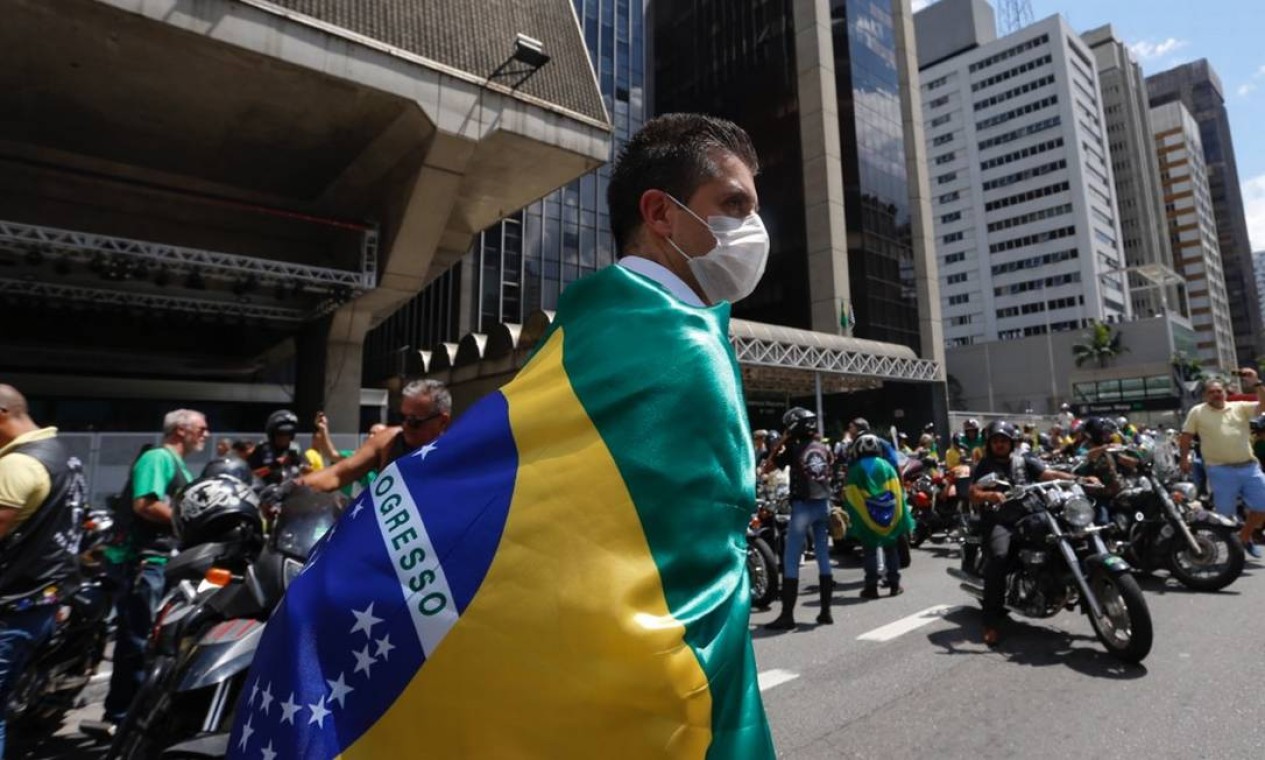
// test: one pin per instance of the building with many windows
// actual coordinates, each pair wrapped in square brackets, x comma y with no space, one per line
[1023,201]
[1154,287]
[522,263]
[1258,269]
[1197,86]
[828,93]
[1192,230]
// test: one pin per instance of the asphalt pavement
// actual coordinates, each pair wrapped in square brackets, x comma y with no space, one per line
[907,676]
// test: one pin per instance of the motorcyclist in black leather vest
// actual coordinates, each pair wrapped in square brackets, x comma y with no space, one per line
[1002,458]
[41,506]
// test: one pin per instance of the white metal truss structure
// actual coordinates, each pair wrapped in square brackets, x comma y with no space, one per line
[208,263]
[1013,15]
[776,346]
[124,299]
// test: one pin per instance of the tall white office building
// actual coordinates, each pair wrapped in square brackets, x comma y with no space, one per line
[1192,231]
[1026,229]
[1258,272]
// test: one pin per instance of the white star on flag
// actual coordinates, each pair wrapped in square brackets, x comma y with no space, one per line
[339,690]
[318,713]
[428,448]
[265,698]
[254,692]
[269,753]
[364,661]
[365,621]
[288,709]
[356,511]
[384,648]
[247,730]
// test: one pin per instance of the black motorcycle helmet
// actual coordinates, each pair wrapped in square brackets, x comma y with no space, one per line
[1099,430]
[281,422]
[1001,428]
[1258,424]
[233,466]
[219,508]
[799,422]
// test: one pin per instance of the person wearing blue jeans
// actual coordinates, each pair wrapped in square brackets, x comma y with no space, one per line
[157,477]
[20,634]
[139,600]
[41,508]
[810,464]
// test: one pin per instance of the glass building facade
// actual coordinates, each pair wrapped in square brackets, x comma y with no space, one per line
[736,59]
[876,185]
[1197,86]
[522,263]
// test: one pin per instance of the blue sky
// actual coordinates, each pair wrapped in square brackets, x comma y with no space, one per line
[1165,33]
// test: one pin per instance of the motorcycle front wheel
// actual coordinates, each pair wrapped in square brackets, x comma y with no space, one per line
[763,571]
[1219,563]
[1125,626]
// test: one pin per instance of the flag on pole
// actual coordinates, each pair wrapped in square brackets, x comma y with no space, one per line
[847,317]
[562,574]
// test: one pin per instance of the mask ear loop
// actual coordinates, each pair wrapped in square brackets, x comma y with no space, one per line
[697,218]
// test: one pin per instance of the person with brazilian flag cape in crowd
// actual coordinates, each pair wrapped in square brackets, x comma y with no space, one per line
[875,500]
[562,574]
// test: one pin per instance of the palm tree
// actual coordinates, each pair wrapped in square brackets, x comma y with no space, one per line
[1101,344]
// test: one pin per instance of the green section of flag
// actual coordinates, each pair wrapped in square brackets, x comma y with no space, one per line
[876,503]
[661,384]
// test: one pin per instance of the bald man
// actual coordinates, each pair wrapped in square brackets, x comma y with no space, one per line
[41,508]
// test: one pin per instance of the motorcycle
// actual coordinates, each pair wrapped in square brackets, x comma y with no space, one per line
[186,707]
[936,508]
[1155,528]
[1060,562]
[50,685]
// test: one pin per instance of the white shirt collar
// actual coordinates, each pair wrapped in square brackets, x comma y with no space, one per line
[662,275]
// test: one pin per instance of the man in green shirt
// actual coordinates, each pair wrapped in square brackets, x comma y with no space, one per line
[156,477]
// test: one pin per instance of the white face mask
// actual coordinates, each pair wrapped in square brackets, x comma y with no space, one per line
[731,270]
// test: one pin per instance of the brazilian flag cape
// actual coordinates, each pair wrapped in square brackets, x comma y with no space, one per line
[561,575]
[875,500]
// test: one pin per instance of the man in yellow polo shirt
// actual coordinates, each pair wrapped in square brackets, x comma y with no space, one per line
[41,504]
[1225,441]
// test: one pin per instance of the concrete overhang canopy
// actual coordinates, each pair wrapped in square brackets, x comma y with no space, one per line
[471,39]
[771,357]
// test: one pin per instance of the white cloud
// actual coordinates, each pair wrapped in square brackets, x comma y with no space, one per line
[1254,209]
[1145,50]
[1246,88]
[920,4]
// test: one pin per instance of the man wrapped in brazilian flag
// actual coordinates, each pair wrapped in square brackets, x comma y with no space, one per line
[876,504]
[562,573]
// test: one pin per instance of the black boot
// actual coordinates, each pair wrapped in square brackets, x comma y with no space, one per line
[827,586]
[786,620]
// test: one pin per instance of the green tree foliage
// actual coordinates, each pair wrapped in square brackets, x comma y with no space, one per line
[1101,344]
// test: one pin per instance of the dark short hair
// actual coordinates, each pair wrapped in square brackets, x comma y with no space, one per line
[675,153]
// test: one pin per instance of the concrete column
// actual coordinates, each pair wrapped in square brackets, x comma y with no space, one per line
[926,267]
[344,357]
[827,235]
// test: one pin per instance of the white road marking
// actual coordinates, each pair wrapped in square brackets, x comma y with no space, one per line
[776,677]
[907,624]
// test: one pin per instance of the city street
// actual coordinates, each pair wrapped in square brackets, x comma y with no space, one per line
[907,677]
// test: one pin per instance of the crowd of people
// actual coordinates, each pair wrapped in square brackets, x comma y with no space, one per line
[1221,447]
[42,501]
[684,212]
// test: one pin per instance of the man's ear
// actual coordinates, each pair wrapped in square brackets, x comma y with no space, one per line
[654,206]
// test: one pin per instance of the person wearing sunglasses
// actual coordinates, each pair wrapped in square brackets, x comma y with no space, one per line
[157,476]
[426,409]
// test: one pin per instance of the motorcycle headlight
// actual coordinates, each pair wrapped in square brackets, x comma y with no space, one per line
[1184,493]
[1078,512]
